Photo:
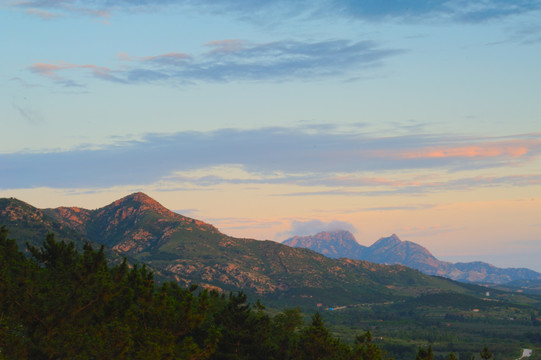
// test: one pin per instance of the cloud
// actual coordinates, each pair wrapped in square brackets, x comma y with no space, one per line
[419,188]
[23,83]
[454,10]
[236,60]
[51,71]
[503,149]
[400,208]
[481,11]
[226,46]
[280,10]
[53,9]
[47,15]
[296,156]
[172,58]
[312,227]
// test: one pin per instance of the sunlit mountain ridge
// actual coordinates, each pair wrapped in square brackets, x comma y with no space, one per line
[190,251]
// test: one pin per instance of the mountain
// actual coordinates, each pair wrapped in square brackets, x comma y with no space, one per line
[136,225]
[392,250]
[28,224]
[191,251]
[336,244]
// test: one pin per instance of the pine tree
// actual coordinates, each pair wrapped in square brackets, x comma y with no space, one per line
[423,354]
[485,354]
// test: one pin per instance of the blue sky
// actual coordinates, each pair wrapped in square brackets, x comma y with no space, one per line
[278,118]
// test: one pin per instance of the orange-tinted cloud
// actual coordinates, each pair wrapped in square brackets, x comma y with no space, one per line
[513,149]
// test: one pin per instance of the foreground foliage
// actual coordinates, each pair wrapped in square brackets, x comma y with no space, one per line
[62,304]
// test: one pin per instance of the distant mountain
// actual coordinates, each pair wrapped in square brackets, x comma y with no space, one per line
[336,244]
[392,250]
[191,251]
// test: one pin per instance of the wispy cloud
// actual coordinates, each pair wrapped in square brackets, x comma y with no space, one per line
[513,149]
[401,208]
[53,9]
[51,71]
[47,15]
[340,162]
[268,11]
[23,83]
[236,60]
[419,188]
[172,58]
[226,46]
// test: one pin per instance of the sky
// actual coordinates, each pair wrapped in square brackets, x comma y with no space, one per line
[270,119]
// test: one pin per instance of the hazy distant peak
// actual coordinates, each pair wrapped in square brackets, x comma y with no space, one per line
[341,234]
[388,241]
[392,250]
[334,244]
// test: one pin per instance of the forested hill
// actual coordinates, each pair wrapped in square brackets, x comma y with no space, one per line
[65,305]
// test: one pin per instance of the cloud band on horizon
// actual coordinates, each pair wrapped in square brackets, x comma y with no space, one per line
[277,155]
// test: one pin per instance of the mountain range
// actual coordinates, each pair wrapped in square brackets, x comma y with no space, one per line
[190,251]
[392,250]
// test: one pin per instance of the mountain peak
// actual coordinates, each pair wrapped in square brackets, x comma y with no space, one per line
[132,224]
[333,244]
[139,197]
[140,201]
[387,242]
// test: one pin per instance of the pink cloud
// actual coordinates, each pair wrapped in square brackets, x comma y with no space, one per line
[51,70]
[468,151]
[513,149]
[226,46]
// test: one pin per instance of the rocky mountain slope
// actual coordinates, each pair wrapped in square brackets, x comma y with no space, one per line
[191,251]
[392,250]
[28,224]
